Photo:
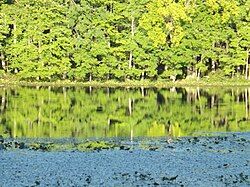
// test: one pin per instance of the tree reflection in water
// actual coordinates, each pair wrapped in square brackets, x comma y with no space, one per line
[81,112]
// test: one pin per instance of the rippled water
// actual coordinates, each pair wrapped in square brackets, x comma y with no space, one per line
[85,112]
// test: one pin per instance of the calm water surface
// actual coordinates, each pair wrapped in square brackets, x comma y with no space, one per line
[108,112]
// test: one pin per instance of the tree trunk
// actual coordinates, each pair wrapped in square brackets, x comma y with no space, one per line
[198,74]
[132,34]
[142,76]
[15,37]
[90,77]
[213,66]
[15,41]
[3,64]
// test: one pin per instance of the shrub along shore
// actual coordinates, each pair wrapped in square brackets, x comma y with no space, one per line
[130,83]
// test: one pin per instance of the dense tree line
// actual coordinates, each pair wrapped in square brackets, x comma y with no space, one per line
[124,39]
[88,112]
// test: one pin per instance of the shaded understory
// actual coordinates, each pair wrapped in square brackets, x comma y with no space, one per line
[210,161]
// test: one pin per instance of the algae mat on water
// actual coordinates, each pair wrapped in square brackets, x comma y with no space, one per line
[191,161]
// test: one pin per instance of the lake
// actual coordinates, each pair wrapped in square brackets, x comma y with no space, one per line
[87,112]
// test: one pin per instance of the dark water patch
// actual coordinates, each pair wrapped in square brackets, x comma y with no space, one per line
[224,144]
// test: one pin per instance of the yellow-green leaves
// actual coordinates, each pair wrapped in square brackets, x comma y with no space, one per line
[165,23]
[224,8]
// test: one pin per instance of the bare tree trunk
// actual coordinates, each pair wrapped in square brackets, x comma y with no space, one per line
[132,34]
[142,76]
[213,66]
[198,74]
[15,41]
[130,59]
[3,64]
[64,76]
[90,77]
[15,37]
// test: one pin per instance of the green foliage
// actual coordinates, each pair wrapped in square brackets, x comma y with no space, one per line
[100,40]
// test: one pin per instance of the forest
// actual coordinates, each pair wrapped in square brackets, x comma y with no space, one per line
[85,40]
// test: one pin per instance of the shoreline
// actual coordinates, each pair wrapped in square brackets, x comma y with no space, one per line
[129,84]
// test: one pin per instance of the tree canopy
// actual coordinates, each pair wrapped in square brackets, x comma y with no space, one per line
[124,39]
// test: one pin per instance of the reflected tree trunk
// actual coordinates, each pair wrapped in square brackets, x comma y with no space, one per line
[212,101]
[65,94]
[173,90]
[130,106]
[14,132]
[246,103]
[142,91]
[50,124]
[237,94]
[247,65]
[39,116]
[199,99]
[131,133]
[108,91]
[14,129]
[50,113]
[3,101]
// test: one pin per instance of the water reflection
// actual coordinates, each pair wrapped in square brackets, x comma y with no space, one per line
[108,112]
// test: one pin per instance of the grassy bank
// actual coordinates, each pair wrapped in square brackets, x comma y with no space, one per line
[129,83]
